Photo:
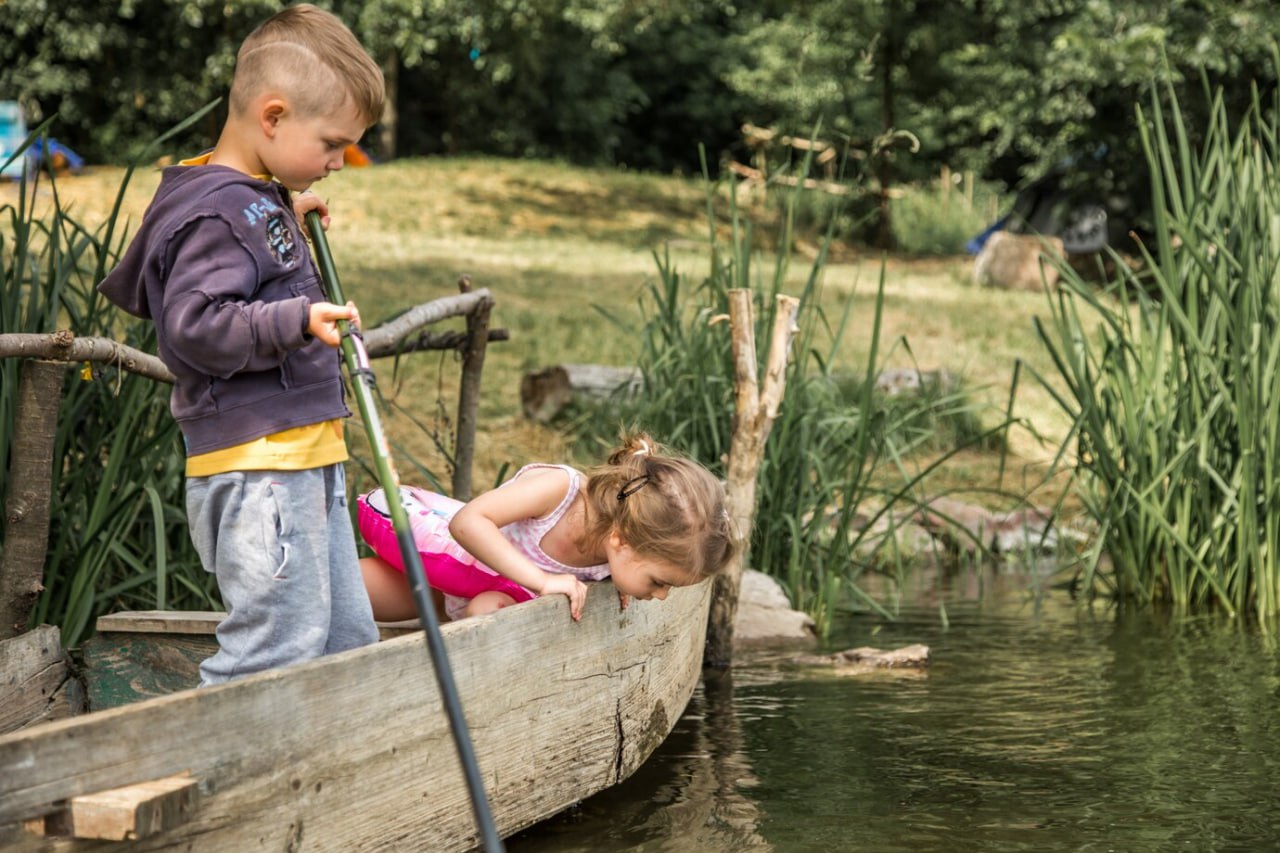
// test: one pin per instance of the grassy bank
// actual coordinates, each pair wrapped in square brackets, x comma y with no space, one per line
[559,245]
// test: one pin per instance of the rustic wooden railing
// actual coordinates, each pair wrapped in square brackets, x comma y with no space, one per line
[47,356]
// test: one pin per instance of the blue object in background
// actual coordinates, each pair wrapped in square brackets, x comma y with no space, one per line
[974,246]
[41,152]
[13,132]
[57,154]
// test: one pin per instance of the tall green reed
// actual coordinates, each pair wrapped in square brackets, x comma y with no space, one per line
[837,460]
[118,537]
[1175,394]
[118,530]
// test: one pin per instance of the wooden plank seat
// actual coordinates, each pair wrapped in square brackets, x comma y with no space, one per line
[143,653]
[130,813]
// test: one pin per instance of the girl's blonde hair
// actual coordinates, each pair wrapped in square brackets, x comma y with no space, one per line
[309,56]
[663,507]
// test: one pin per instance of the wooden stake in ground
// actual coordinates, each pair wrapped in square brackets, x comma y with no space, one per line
[26,505]
[755,410]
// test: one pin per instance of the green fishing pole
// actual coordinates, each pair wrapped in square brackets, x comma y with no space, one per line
[362,381]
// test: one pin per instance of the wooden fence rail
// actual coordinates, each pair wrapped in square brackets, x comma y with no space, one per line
[27,482]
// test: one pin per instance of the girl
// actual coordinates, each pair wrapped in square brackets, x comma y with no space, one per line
[649,520]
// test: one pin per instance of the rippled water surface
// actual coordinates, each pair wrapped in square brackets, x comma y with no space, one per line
[1039,726]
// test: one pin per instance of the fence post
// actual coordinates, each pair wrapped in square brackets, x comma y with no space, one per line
[473,352]
[26,504]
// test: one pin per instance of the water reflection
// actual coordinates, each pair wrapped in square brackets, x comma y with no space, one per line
[688,797]
[1042,725]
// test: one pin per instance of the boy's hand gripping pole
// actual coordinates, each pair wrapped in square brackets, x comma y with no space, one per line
[357,361]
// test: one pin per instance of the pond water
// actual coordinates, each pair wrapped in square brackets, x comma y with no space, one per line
[1041,725]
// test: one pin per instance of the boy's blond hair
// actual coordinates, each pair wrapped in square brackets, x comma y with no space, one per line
[310,57]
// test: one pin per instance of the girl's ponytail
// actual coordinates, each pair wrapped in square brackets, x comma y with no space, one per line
[635,446]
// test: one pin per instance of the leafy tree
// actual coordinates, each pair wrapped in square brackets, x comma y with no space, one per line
[118,74]
[1011,89]
[587,80]
[1050,85]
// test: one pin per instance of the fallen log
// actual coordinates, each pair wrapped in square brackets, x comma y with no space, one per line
[547,392]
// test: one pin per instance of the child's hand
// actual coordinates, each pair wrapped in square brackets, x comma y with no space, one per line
[570,586]
[323,322]
[307,201]
[624,600]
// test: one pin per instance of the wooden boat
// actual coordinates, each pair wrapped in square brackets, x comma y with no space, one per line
[354,751]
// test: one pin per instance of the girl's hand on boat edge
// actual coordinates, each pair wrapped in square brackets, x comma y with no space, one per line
[624,600]
[570,586]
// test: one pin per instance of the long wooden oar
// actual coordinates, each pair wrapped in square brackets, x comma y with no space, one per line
[362,381]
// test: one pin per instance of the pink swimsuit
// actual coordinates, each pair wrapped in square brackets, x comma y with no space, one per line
[449,567]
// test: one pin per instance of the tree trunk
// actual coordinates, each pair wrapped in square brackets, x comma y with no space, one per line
[754,413]
[26,506]
[884,168]
[473,353]
[387,127]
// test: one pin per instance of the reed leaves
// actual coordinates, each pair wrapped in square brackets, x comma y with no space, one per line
[835,466]
[118,535]
[1175,391]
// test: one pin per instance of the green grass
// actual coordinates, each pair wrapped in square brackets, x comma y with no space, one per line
[570,256]
[556,245]
[117,526]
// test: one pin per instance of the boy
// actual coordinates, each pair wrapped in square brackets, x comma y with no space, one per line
[220,265]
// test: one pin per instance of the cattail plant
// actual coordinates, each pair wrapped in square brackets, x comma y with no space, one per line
[1175,393]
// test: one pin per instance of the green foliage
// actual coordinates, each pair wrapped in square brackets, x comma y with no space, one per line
[808,61]
[1176,394]
[933,220]
[1008,89]
[835,443]
[590,81]
[118,535]
[115,72]
[1049,82]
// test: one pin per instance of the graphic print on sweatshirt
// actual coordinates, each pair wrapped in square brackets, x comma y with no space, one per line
[279,235]
[280,239]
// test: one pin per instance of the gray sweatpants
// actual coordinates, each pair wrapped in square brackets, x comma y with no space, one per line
[282,547]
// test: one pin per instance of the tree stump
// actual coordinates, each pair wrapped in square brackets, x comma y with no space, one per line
[546,393]
[755,409]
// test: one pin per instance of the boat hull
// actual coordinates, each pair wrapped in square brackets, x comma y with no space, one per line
[354,751]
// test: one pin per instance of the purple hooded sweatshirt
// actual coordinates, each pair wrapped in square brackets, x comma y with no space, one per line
[221,267]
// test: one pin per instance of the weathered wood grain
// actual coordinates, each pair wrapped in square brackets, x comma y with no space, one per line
[161,622]
[36,681]
[141,654]
[354,751]
[124,668]
[26,502]
[125,814]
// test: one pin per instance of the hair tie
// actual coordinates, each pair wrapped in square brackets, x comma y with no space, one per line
[644,450]
[632,486]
